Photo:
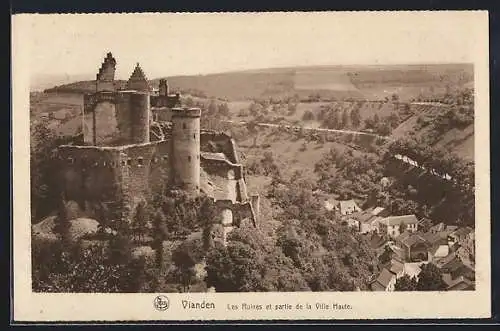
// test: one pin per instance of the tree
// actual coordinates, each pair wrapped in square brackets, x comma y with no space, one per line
[430,278]
[189,102]
[355,117]
[223,110]
[234,268]
[386,256]
[252,130]
[308,116]
[345,119]
[406,283]
[43,178]
[185,257]
[75,268]
[140,222]
[212,108]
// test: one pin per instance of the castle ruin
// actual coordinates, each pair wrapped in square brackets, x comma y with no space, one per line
[134,141]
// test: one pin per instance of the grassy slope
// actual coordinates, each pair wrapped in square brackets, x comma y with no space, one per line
[457,141]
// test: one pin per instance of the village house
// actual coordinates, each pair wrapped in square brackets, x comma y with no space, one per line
[367,220]
[437,245]
[385,281]
[414,246]
[458,284]
[459,236]
[397,268]
[348,207]
[393,226]
[453,267]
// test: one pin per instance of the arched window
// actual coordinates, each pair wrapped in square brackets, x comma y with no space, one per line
[184,125]
[189,158]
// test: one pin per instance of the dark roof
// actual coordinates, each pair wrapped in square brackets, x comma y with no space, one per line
[462,231]
[438,227]
[396,267]
[365,217]
[434,238]
[460,283]
[414,239]
[403,236]
[385,277]
[397,220]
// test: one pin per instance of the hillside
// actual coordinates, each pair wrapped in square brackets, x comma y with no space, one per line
[330,82]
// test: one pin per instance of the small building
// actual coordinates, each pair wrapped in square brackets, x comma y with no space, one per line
[455,267]
[348,207]
[393,226]
[368,223]
[385,281]
[414,246]
[458,284]
[331,204]
[353,223]
[397,268]
[459,236]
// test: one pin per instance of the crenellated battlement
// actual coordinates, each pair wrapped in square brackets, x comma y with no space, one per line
[106,75]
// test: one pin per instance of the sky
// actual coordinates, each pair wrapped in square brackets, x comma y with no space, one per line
[187,44]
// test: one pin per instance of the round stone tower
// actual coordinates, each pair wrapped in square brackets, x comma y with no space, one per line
[186,149]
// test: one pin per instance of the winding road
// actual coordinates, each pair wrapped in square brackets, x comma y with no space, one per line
[292,127]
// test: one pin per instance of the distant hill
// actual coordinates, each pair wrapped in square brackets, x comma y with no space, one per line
[333,82]
[41,82]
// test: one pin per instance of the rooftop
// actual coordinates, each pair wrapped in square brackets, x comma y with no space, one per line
[397,220]
[385,277]
[462,231]
[412,239]
[348,204]
[396,267]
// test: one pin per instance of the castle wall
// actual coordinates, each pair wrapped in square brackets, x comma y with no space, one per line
[103,120]
[186,150]
[90,175]
[218,142]
[162,114]
[122,176]
[136,170]
[134,117]
[160,167]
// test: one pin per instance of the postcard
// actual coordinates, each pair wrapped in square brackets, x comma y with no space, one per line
[251,166]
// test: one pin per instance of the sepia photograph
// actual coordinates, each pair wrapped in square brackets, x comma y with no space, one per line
[181,156]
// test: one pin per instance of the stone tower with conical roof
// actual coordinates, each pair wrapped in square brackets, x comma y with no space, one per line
[138,80]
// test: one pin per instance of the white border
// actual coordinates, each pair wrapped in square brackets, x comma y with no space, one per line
[30,306]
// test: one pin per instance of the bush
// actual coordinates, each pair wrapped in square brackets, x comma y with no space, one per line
[308,116]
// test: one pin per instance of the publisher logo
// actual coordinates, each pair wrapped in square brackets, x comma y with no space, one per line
[161,303]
